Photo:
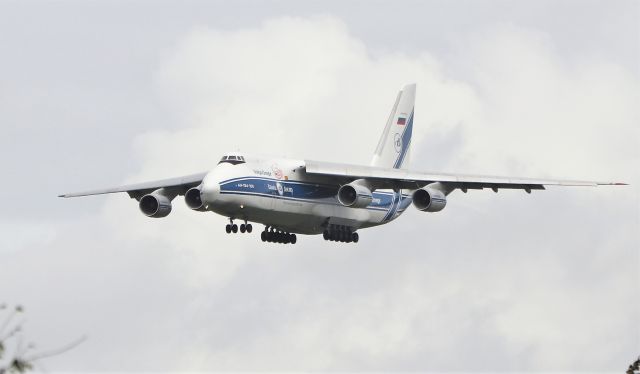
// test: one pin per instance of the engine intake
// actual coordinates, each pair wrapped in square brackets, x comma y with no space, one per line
[429,200]
[354,196]
[155,205]
[193,199]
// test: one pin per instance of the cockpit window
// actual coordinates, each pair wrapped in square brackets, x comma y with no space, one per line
[232,159]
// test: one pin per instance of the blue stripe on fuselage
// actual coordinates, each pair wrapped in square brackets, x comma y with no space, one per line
[301,191]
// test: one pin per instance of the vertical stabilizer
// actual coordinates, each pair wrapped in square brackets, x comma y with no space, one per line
[393,148]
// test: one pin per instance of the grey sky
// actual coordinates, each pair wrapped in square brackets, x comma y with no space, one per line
[99,93]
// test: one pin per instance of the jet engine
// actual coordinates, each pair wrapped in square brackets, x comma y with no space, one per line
[155,205]
[429,199]
[193,199]
[354,196]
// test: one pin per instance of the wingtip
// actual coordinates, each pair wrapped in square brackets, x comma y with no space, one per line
[62,195]
[614,184]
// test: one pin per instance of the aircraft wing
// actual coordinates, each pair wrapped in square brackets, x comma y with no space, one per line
[383,178]
[177,185]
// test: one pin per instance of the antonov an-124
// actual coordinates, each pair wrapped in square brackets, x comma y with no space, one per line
[290,196]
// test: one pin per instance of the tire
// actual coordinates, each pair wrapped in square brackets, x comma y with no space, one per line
[293,239]
[228,229]
[263,236]
[243,228]
[249,228]
[325,235]
[355,237]
[234,228]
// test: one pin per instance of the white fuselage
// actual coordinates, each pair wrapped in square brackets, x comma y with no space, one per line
[278,193]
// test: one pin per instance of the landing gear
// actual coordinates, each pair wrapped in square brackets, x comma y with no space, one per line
[338,233]
[233,228]
[272,235]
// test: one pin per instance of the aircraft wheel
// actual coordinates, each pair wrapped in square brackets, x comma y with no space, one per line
[263,236]
[325,235]
[355,237]
[249,228]
[234,228]
[228,228]
[243,228]
[293,239]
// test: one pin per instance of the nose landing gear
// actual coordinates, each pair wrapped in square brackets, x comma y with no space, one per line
[233,228]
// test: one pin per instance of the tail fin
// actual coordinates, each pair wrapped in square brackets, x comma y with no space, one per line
[393,147]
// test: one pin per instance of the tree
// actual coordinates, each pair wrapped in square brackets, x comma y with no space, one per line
[635,367]
[15,357]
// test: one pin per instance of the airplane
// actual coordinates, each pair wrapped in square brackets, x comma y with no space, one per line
[290,196]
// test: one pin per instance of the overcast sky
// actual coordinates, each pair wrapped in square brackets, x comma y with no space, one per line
[96,94]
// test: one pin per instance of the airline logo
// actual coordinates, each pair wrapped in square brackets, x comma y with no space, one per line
[397,142]
[277,172]
[402,120]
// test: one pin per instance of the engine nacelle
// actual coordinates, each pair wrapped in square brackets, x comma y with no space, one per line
[193,199]
[354,196]
[155,205]
[429,200]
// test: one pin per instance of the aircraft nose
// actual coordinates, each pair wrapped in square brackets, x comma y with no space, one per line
[210,190]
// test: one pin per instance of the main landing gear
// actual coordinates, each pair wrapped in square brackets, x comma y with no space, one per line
[233,228]
[272,235]
[337,233]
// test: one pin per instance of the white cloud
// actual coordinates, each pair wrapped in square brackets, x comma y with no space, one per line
[307,88]
[19,236]
[494,282]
